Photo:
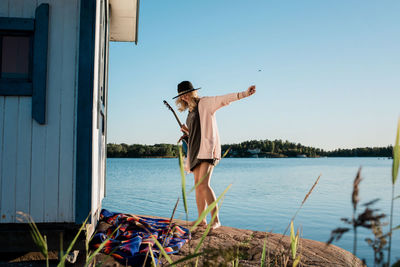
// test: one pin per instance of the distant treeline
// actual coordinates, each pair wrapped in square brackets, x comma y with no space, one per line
[255,148]
[279,149]
[142,151]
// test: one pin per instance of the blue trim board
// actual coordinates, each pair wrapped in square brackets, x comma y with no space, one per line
[15,88]
[39,77]
[83,200]
[17,24]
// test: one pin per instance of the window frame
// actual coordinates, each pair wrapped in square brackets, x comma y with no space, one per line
[17,27]
[36,86]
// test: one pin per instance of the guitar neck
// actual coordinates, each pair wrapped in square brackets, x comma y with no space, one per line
[173,111]
[176,117]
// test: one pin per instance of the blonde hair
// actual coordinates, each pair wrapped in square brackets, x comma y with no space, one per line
[182,105]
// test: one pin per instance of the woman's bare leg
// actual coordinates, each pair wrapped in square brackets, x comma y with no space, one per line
[200,200]
[204,193]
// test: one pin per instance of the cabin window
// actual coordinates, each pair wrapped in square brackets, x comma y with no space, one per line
[16,57]
[23,59]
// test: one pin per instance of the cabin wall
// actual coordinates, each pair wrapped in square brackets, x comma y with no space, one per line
[37,162]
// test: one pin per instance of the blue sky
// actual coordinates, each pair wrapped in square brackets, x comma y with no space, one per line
[330,70]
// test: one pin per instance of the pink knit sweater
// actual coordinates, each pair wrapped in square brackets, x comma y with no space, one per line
[210,146]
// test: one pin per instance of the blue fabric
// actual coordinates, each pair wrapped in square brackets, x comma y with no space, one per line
[130,237]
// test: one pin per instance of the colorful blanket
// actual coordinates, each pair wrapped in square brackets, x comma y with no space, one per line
[129,244]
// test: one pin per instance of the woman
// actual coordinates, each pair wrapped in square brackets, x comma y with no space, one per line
[204,148]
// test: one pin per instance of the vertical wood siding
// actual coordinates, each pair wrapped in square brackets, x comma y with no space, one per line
[24,149]
[37,162]
[66,207]
[9,167]
[53,116]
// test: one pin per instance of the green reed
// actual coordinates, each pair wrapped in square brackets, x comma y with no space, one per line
[41,241]
[264,250]
[183,180]
[370,219]
[294,243]
[38,238]
[395,171]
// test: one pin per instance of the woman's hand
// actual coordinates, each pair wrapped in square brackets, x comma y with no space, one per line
[250,91]
[185,129]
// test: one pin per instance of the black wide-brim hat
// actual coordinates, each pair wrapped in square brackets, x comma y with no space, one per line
[184,88]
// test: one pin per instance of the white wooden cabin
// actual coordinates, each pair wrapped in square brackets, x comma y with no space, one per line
[53,111]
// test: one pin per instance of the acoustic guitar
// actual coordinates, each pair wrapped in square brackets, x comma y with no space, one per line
[185,137]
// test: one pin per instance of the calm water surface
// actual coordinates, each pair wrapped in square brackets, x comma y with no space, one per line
[265,193]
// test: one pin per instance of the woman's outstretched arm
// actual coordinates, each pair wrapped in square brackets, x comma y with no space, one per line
[213,103]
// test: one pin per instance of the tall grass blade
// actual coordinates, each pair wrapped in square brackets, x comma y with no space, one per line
[296,261]
[38,239]
[170,222]
[354,200]
[396,228]
[264,251]
[173,212]
[153,261]
[301,205]
[183,179]
[226,152]
[395,172]
[396,155]
[292,241]
[71,245]
[310,191]
[208,209]
[162,250]
[145,258]
[61,244]
[97,251]
[47,256]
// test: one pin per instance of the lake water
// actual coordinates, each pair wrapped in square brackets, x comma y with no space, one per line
[265,193]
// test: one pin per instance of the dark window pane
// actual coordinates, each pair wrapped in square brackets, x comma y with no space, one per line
[15,57]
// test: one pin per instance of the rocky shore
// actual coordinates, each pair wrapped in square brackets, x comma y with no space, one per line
[225,244]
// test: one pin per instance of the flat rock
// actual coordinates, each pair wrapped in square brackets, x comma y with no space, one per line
[226,245]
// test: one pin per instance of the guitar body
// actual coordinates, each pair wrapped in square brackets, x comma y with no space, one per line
[185,146]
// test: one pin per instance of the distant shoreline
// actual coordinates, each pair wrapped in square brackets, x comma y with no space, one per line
[248,149]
